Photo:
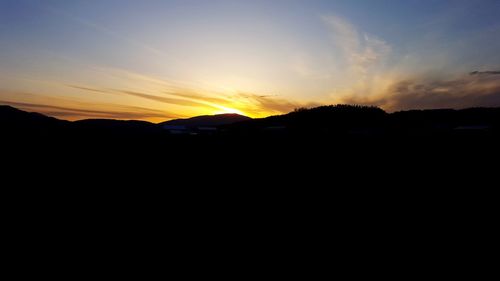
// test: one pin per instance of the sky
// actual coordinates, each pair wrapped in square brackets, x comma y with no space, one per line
[157,60]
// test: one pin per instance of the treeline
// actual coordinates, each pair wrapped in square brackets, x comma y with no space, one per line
[370,120]
[349,120]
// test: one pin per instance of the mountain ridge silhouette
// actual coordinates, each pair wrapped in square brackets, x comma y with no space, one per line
[338,119]
[207,120]
[307,147]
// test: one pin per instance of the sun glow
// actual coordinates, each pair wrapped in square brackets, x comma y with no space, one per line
[227,110]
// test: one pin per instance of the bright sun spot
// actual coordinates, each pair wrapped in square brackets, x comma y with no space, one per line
[226,110]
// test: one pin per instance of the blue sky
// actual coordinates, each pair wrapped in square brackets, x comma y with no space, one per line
[160,59]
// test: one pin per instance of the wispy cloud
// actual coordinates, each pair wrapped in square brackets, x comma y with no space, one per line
[361,51]
[462,92]
[190,100]
[220,99]
[161,99]
[74,113]
[166,92]
[363,65]
[86,88]
[107,31]
[485,73]
[262,105]
[249,103]
[376,77]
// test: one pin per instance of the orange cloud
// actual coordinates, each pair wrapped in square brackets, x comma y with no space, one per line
[74,113]
[254,105]
[466,91]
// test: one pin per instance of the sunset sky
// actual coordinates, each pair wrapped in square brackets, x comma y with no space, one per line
[161,59]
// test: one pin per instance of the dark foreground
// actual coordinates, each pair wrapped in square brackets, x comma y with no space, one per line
[318,147]
[419,188]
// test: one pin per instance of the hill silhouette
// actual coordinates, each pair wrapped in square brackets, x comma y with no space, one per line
[338,120]
[367,121]
[208,120]
[307,148]
[15,118]
[319,120]
[15,122]
[121,127]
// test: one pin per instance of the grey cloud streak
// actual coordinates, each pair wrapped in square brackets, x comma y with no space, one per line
[125,112]
[485,73]
[462,92]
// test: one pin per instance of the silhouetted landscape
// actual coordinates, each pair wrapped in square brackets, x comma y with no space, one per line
[325,121]
[315,132]
[251,124]
[308,146]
